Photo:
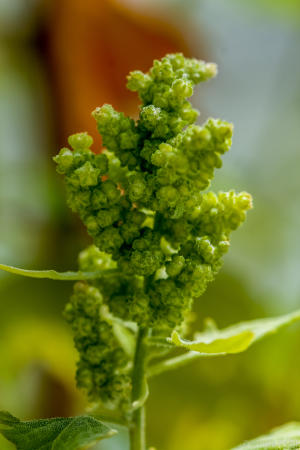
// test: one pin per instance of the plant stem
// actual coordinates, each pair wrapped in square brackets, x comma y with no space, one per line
[176,362]
[54,275]
[137,426]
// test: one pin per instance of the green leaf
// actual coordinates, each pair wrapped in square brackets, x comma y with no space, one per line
[234,339]
[53,275]
[125,337]
[286,437]
[125,332]
[70,433]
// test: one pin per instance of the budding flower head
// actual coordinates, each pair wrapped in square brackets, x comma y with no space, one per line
[145,203]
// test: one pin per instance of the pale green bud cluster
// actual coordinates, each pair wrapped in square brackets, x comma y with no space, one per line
[142,199]
[101,369]
[170,82]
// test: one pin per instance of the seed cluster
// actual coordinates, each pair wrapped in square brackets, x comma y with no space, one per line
[142,201]
[101,369]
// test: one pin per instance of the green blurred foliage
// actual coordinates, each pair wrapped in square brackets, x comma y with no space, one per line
[223,401]
[282,10]
[25,194]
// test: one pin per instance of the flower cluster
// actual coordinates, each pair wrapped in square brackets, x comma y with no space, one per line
[102,367]
[143,202]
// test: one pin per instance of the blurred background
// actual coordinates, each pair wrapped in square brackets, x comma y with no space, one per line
[59,59]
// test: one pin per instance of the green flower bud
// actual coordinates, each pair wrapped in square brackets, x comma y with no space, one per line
[64,160]
[175,266]
[182,89]
[87,175]
[84,377]
[92,225]
[101,162]
[136,187]
[99,199]
[94,354]
[109,240]
[146,262]
[80,141]
[107,217]
[138,81]
[111,191]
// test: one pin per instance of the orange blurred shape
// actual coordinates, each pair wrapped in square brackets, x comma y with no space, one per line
[94,44]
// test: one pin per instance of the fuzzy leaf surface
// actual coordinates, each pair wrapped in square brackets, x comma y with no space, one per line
[286,437]
[236,338]
[53,434]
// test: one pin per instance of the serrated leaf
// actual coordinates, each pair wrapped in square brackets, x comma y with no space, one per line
[59,433]
[53,274]
[236,338]
[286,437]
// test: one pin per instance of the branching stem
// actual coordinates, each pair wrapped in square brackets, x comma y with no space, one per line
[176,362]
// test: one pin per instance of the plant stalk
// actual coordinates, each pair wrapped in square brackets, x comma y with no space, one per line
[137,429]
[176,362]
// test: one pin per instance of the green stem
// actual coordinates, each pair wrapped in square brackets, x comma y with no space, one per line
[176,362]
[137,426]
[54,275]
